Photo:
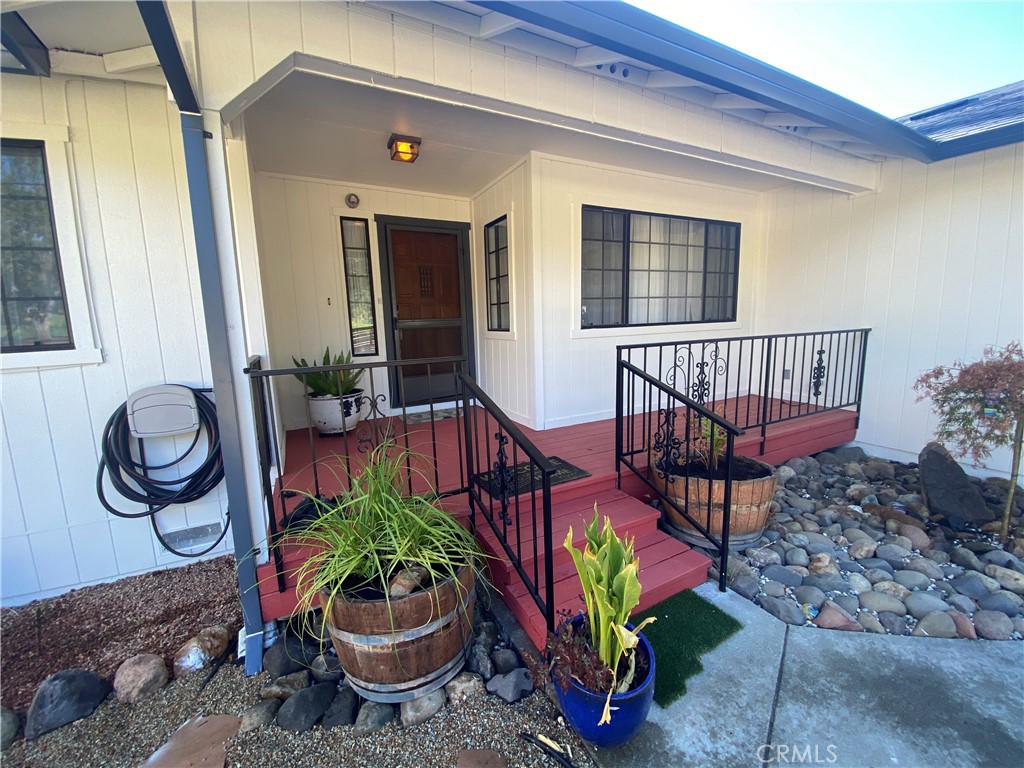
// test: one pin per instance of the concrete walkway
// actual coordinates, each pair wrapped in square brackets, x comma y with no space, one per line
[779,695]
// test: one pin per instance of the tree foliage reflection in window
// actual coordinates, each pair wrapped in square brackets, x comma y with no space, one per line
[362,320]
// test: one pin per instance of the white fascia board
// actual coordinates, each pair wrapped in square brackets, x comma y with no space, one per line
[88,65]
[130,60]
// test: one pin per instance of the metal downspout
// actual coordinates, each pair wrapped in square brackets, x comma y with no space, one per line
[154,14]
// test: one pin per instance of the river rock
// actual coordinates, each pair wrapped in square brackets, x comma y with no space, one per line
[862,549]
[479,660]
[920,604]
[785,610]
[809,596]
[285,687]
[834,617]
[747,586]
[893,554]
[407,581]
[925,566]
[304,709]
[964,626]
[935,624]
[139,677]
[918,539]
[762,557]
[974,585]
[505,660]
[962,603]
[201,650]
[876,575]
[823,563]
[894,624]
[882,603]
[9,727]
[421,709]
[993,625]
[258,715]
[288,654]
[965,558]
[62,698]
[949,492]
[827,582]
[783,575]
[464,687]
[1001,602]
[773,588]
[511,686]
[343,709]
[874,562]
[892,588]
[912,580]
[858,583]
[373,715]
[1008,579]
[797,556]
[870,623]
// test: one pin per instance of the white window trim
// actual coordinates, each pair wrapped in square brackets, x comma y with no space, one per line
[56,147]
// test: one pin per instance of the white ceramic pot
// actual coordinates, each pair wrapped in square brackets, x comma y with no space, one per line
[333,414]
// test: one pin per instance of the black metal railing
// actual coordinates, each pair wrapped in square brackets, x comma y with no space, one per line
[326,461]
[756,381]
[659,432]
[510,488]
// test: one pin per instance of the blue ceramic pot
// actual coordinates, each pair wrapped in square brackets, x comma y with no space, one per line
[583,708]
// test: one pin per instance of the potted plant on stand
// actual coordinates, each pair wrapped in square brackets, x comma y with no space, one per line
[600,663]
[693,475]
[395,575]
[332,396]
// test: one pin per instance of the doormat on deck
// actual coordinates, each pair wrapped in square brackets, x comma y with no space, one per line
[687,626]
[424,417]
[521,480]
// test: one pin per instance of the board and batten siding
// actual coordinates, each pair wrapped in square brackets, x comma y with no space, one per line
[298,226]
[578,365]
[133,224]
[506,360]
[933,263]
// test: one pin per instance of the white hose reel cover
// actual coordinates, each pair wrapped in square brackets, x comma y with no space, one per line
[162,411]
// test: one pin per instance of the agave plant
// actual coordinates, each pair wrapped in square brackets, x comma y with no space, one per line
[336,383]
[609,574]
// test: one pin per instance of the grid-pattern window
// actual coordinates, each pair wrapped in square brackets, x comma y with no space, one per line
[644,269]
[496,246]
[362,321]
[34,309]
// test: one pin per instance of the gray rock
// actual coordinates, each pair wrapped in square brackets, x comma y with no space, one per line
[505,660]
[784,474]
[993,625]
[912,580]
[999,557]
[999,601]
[747,586]
[326,668]
[893,554]
[479,661]
[848,603]
[819,540]
[487,635]
[464,687]
[286,687]
[858,583]
[783,575]
[963,604]
[343,709]
[853,534]
[9,727]
[786,610]
[875,470]
[936,624]
[862,549]
[797,556]
[797,539]
[920,604]
[760,558]
[1018,625]
[870,623]
[937,556]
[802,504]
[875,562]
[925,566]
[847,454]
[511,686]
[877,575]
[810,596]
[304,709]
[918,539]
[882,603]
[773,588]
[1008,579]
[421,709]
[973,585]
[62,698]
[849,566]
[949,492]
[373,716]
[894,624]
[139,677]
[827,582]
[287,654]
[965,558]
[891,588]
[258,715]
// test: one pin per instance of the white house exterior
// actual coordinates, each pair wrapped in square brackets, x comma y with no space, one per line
[518,118]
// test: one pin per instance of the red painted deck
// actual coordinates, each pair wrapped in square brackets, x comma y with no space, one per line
[667,566]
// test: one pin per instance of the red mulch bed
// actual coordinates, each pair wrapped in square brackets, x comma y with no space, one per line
[101,626]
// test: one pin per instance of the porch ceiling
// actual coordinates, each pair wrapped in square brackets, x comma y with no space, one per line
[320,127]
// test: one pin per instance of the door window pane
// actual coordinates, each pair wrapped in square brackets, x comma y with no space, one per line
[362,320]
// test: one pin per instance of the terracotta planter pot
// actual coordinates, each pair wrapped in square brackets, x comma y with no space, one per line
[409,649]
[751,505]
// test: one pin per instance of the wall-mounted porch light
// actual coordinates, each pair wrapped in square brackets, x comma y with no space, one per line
[404,149]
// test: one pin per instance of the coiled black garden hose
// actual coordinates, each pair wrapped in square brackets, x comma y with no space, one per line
[131,478]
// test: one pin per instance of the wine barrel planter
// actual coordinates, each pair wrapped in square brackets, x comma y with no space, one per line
[408,648]
[751,504]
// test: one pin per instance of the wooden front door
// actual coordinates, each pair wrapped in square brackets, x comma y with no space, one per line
[430,307]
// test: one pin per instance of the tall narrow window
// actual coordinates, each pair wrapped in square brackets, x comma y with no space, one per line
[362,320]
[34,309]
[496,246]
[645,269]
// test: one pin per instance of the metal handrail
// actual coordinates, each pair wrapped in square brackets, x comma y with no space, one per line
[802,334]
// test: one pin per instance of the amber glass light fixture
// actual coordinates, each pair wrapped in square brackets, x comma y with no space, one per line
[404,149]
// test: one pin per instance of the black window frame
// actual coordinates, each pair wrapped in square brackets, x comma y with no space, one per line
[625,242]
[348,291]
[496,279]
[4,307]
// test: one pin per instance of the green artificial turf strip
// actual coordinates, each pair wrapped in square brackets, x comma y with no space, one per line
[687,627]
